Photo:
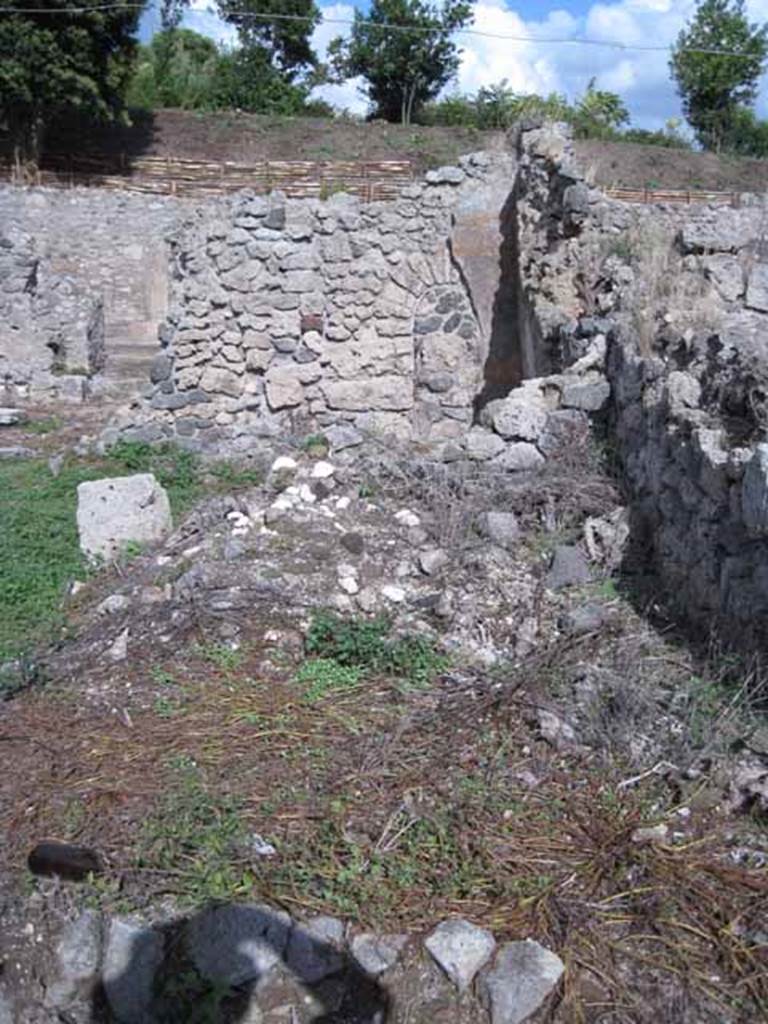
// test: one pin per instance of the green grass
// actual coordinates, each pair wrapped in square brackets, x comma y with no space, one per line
[369,646]
[325,675]
[194,835]
[221,656]
[40,555]
[43,426]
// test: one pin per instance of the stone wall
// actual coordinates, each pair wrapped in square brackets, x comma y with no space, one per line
[691,421]
[486,313]
[676,300]
[82,273]
[300,314]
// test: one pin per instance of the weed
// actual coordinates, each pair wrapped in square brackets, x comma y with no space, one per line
[40,552]
[326,675]
[194,835]
[366,490]
[176,469]
[231,477]
[43,426]
[371,880]
[357,642]
[162,676]
[366,644]
[331,188]
[73,817]
[621,247]
[315,445]
[164,707]
[222,656]
[188,998]
[131,549]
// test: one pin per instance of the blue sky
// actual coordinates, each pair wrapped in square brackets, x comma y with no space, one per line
[542,65]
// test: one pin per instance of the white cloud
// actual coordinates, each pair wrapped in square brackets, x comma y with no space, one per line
[349,95]
[201,17]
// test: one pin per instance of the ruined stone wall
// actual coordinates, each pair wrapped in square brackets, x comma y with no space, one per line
[679,296]
[301,314]
[78,271]
[691,421]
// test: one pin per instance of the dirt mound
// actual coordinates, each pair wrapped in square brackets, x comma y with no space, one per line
[630,165]
[247,138]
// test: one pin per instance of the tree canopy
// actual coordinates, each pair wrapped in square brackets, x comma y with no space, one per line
[596,114]
[282,29]
[715,86]
[77,60]
[177,69]
[402,69]
[180,68]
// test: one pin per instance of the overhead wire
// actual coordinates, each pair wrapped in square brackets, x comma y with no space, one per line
[612,44]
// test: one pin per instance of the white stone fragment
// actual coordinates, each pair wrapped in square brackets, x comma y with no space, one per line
[118,651]
[407,518]
[282,504]
[394,594]
[282,463]
[377,953]
[322,470]
[460,948]
[113,604]
[9,417]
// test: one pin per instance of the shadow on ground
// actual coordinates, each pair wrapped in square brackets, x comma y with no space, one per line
[234,964]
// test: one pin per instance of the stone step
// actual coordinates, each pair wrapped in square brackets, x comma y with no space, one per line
[128,331]
[119,345]
[132,357]
[120,388]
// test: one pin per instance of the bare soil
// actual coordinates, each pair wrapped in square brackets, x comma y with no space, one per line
[630,165]
[248,138]
[242,137]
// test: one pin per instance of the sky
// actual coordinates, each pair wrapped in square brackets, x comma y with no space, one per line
[551,61]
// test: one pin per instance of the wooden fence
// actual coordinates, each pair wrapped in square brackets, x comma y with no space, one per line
[653,195]
[370,180]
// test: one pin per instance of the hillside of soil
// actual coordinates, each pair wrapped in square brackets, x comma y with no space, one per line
[630,165]
[245,138]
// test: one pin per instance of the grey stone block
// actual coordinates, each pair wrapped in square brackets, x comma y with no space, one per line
[133,955]
[461,949]
[521,979]
[237,943]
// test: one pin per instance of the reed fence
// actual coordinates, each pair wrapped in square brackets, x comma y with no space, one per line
[370,180]
[689,196]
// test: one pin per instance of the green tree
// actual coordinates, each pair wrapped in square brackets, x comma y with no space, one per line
[180,68]
[402,69]
[598,114]
[281,29]
[287,38]
[177,69]
[713,86]
[746,134]
[246,79]
[77,59]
